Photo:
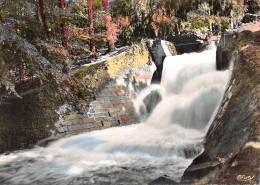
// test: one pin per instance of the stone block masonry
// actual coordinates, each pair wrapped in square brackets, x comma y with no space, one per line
[113,104]
[97,96]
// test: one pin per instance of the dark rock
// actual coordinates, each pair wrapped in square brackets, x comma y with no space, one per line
[187,43]
[158,56]
[249,18]
[46,142]
[27,120]
[152,100]
[224,46]
[231,142]
[162,180]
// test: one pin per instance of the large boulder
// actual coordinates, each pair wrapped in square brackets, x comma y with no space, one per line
[231,154]
[159,50]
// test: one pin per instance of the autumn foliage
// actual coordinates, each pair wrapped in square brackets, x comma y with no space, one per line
[115,27]
[78,32]
[160,17]
[67,83]
[58,50]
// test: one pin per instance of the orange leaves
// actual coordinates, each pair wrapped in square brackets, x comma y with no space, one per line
[78,32]
[59,50]
[238,3]
[66,82]
[115,27]
[160,15]
[124,22]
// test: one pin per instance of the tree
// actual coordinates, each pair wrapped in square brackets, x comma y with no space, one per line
[120,8]
[47,31]
[92,34]
[163,21]
[106,4]
[115,27]
[63,25]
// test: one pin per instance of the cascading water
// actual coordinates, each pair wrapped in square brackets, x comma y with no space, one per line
[165,143]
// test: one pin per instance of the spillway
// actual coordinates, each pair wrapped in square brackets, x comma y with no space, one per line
[165,143]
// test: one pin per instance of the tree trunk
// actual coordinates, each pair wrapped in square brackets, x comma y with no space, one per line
[63,25]
[106,4]
[21,66]
[106,8]
[92,34]
[44,20]
[112,47]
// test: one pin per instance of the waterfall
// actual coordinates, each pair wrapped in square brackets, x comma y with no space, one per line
[181,109]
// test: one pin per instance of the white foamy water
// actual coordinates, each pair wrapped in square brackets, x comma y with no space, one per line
[164,144]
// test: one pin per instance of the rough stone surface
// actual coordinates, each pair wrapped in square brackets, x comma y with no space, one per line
[162,180]
[89,98]
[114,82]
[26,120]
[152,100]
[224,46]
[232,144]
[158,54]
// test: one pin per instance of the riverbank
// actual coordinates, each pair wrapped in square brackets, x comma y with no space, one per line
[232,149]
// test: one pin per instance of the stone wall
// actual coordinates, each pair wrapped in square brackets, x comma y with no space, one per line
[113,104]
[115,83]
[98,96]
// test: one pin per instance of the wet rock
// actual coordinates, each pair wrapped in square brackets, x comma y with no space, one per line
[158,56]
[187,43]
[162,180]
[24,121]
[152,100]
[250,18]
[224,46]
[232,142]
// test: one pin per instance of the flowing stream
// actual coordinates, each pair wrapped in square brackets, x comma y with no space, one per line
[165,143]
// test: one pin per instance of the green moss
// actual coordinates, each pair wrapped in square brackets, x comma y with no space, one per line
[77,9]
[120,7]
[31,29]
[90,69]
[197,24]
[97,4]
[78,52]
[246,79]
[224,26]
[242,39]
[101,42]
[11,9]
[80,41]
[77,21]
